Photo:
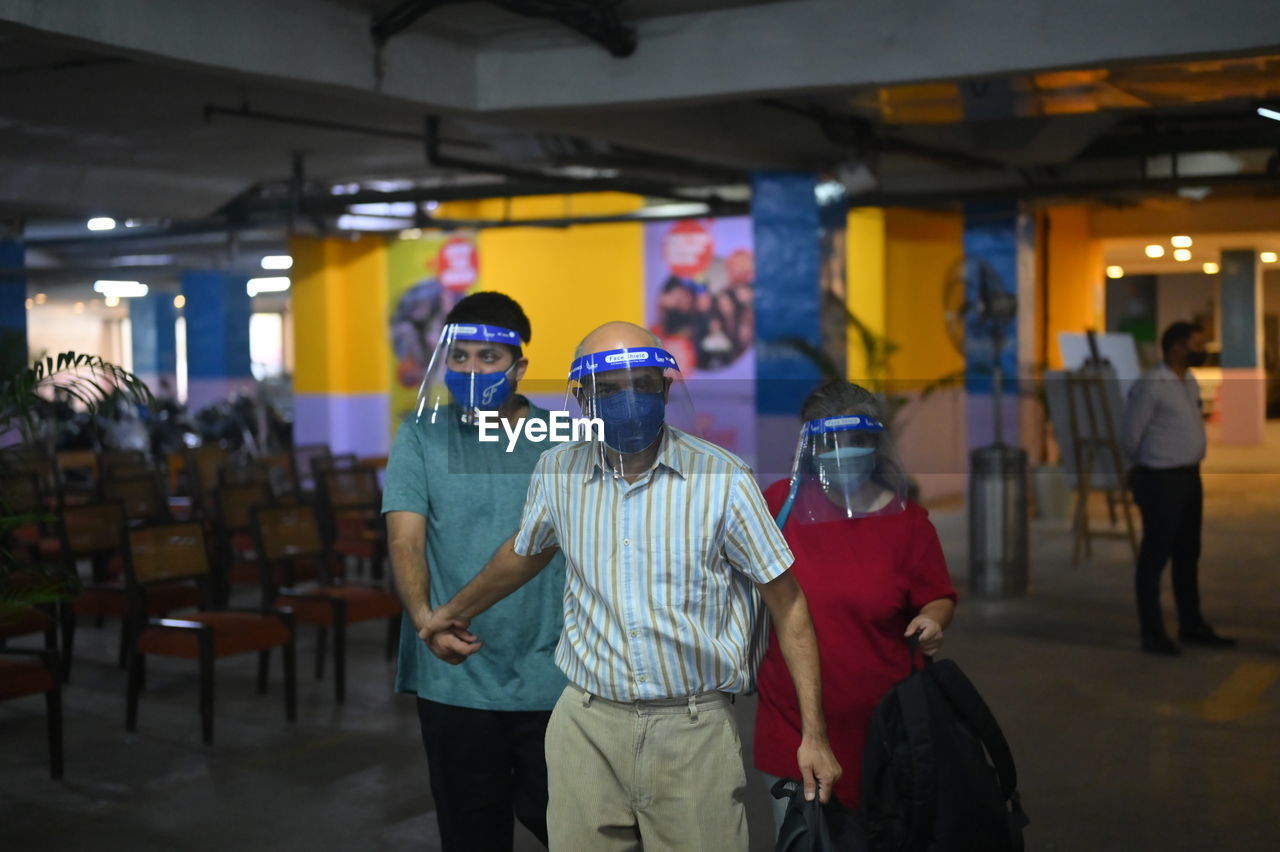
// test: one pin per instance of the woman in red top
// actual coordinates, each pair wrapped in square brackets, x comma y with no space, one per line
[873,573]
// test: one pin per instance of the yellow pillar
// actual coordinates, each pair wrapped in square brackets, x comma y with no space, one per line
[340,340]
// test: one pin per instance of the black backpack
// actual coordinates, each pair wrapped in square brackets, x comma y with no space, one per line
[810,826]
[937,773]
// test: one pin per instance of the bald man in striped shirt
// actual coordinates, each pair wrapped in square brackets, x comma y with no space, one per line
[665,567]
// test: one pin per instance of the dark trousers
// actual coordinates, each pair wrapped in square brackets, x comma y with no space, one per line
[1172,504]
[485,767]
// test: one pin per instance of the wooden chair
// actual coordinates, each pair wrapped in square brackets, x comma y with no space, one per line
[237,552]
[24,673]
[352,505]
[202,465]
[21,493]
[78,478]
[96,532]
[177,553]
[303,456]
[289,535]
[143,497]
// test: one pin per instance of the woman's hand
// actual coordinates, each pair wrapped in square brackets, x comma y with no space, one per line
[930,633]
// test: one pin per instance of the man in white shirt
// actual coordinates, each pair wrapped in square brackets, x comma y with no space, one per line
[1164,438]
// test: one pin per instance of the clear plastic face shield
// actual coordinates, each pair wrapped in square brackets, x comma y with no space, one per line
[474,368]
[632,393]
[845,467]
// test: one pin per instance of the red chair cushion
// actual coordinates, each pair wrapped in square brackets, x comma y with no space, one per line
[233,633]
[19,677]
[23,621]
[109,599]
[363,604]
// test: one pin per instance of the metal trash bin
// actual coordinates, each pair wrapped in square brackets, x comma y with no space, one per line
[999,557]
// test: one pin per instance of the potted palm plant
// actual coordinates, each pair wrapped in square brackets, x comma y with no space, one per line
[27,430]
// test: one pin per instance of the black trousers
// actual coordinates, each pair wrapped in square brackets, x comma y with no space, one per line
[485,767]
[1172,504]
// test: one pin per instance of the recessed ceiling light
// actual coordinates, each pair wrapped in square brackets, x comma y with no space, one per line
[1180,242]
[41,298]
[277,261]
[1154,250]
[30,304]
[1181,255]
[179,301]
[1267,257]
[121,289]
[111,301]
[78,307]
[1211,268]
[1115,271]
[101,223]
[267,285]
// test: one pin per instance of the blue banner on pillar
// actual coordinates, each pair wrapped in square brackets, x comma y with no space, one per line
[993,236]
[155,350]
[784,212]
[13,308]
[217,312]
[1240,293]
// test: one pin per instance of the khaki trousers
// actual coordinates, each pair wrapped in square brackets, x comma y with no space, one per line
[652,775]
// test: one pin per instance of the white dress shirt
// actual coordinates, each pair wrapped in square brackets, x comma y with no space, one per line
[1163,426]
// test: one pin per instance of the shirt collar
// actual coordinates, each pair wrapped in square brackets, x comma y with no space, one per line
[673,455]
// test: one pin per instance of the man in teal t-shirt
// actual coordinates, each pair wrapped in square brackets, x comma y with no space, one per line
[450,500]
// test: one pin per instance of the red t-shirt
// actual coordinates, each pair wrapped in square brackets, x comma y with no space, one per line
[865,579]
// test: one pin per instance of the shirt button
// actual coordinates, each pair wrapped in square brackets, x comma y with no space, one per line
[635,633]
[626,542]
[641,678]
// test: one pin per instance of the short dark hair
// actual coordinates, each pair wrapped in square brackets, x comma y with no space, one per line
[1178,332]
[491,308]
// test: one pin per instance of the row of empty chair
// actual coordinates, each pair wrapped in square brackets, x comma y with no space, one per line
[166,568]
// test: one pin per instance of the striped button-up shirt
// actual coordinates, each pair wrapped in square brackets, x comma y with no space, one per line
[1163,426]
[660,598]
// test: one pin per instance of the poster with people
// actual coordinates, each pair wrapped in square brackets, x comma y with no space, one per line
[699,299]
[425,278]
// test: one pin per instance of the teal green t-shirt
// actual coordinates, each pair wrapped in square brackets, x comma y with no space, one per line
[472,494]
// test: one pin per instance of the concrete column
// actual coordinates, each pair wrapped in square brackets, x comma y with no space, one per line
[217,313]
[342,370]
[13,305]
[1243,398]
[784,212]
[155,351]
[1000,238]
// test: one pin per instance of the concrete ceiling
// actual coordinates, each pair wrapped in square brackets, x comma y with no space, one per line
[102,106]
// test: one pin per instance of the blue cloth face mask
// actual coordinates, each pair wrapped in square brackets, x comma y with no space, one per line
[848,468]
[479,391]
[632,420]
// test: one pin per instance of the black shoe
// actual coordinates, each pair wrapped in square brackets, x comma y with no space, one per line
[1161,645]
[1204,635]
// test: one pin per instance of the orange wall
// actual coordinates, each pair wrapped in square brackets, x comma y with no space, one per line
[921,249]
[1075,276]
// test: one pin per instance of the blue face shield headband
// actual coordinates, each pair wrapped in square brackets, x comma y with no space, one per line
[481,391]
[845,468]
[634,413]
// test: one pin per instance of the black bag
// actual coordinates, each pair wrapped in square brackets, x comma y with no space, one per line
[810,826]
[927,783]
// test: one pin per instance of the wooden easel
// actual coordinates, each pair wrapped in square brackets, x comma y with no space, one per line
[1087,404]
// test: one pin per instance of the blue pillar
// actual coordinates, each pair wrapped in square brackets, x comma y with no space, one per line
[784,212]
[999,239]
[155,351]
[13,307]
[217,312]
[1243,397]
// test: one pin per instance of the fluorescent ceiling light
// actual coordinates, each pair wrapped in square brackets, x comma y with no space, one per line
[1115,271]
[1180,242]
[350,222]
[101,223]
[1269,113]
[121,289]
[267,285]
[676,209]
[385,208]
[277,261]
[1181,255]
[143,260]
[1155,250]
